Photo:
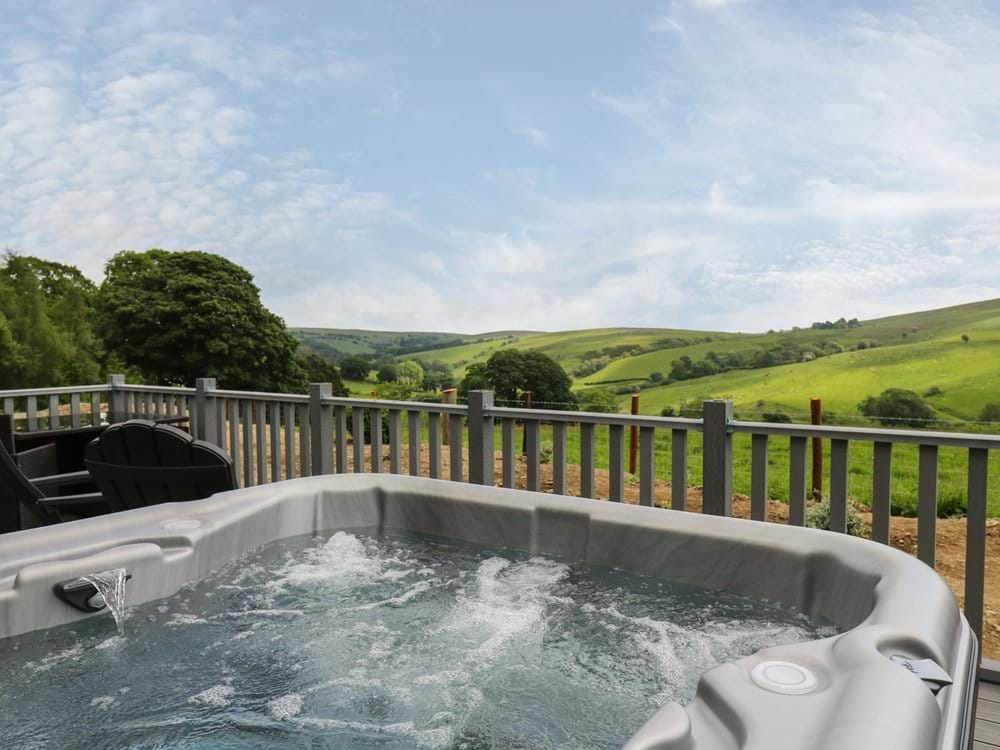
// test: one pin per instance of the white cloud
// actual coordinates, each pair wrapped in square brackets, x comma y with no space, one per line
[128,144]
[534,136]
[749,169]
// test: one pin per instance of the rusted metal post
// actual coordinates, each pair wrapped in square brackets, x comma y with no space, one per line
[524,435]
[448,396]
[633,440]
[816,417]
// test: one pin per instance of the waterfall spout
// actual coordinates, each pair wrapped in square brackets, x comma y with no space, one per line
[98,591]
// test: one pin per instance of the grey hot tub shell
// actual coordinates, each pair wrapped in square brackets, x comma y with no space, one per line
[887,602]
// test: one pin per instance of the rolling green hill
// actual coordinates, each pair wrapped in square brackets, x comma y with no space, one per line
[567,347]
[920,351]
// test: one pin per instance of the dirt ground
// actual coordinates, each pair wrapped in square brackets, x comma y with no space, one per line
[903,531]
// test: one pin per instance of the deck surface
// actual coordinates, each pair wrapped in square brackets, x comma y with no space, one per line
[988,718]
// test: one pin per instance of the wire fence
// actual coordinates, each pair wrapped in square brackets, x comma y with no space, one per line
[832,418]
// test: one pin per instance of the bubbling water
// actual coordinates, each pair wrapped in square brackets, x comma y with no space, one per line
[397,642]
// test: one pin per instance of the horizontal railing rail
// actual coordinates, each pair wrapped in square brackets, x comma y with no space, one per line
[59,391]
[421,406]
[870,434]
[274,436]
[590,417]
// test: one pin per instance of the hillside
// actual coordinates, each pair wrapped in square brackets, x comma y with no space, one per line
[568,347]
[921,351]
[336,343]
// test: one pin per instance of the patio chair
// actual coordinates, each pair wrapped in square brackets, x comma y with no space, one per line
[70,442]
[25,486]
[139,463]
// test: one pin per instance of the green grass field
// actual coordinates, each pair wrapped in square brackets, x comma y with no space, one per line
[917,351]
[966,373]
[952,466]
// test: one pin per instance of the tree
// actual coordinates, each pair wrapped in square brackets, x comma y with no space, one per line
[319,369]
[600,400]
[179,316]
[656,377]
[475,379]
[355,368]
[965,338]
[387,373]
[437,375]
[897,406]
[438,381]
[46,336]
[410,374]
[511,372]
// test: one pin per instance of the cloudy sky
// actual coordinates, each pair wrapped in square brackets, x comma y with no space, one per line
[439,165]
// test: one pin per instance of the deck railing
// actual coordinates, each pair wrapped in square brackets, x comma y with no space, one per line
[274,436]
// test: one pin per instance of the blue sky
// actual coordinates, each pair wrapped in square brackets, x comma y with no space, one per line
[471,166]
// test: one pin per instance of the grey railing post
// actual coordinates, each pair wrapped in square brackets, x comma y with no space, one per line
[116,400]
[717,459]
[480,438]
[204,424]
[321,427]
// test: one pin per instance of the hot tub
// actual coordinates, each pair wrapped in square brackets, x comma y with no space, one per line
[898,674]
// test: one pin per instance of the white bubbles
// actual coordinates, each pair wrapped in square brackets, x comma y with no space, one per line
[285,706]
[103,702]
[217,696]
[403,641]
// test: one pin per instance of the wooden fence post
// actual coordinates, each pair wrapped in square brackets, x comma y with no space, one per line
[116,400]
[633,436]
[524,436]
[204,424]
[448,396]
[717,458]
[816,417]
[480,438]
[321,428]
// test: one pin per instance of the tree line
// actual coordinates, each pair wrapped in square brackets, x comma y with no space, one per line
[161,317]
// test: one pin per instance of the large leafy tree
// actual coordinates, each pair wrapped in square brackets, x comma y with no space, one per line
[475,379]
[355,368]
[510,372]
[46,333]
[318,369]
[177,316]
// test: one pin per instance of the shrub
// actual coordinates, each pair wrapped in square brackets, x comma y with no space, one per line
[656,377]
[951,505]
[545,453]
[933,391]
[776,417]
[600,400]
[897,406]
[668,411]
[965,338]
[990,413]
[818,517]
